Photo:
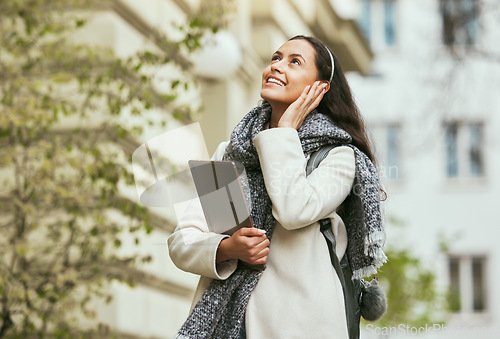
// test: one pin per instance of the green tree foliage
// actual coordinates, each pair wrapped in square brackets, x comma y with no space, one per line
[412,295]
[61,213]
[413,298]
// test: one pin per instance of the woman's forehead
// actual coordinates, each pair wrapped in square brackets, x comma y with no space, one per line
[298,46]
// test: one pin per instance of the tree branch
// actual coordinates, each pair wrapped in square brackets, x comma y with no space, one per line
[7,322]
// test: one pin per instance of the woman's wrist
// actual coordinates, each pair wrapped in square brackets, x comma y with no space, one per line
[287,125]
[224,251]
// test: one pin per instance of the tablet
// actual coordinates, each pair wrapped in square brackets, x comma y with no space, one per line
[221,194]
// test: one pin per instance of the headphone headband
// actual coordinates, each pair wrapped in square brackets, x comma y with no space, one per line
[333,63]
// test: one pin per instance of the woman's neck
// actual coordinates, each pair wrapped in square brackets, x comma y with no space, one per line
[276,113]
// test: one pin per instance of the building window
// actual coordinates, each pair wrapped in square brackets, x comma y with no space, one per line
[387,139]
[475,150]
[478,284]
[365,18]
[467,287]
[460,21]
[451,150]
[389,22]
[377,21]
[464,144]
[393,151]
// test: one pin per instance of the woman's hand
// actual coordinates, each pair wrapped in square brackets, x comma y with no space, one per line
[309,99]
[248,244]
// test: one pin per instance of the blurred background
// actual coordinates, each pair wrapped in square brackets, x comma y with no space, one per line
[84,84]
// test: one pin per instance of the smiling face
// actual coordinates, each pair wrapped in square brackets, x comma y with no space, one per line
[292,68]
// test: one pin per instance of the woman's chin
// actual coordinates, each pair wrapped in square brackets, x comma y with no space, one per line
[272,98]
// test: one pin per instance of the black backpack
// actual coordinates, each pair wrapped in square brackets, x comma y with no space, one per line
[360,297]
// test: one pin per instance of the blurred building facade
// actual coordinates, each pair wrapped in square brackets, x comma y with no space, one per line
[230,79]
[425,75]
[432,105]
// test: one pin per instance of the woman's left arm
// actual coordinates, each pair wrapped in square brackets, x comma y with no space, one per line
[298,200]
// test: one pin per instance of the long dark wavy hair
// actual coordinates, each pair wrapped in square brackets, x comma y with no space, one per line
[338,103]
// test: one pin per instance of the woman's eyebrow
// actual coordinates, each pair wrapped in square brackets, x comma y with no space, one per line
[296,55]
[293,55]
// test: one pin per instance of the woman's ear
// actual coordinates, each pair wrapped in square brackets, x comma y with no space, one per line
[327,85]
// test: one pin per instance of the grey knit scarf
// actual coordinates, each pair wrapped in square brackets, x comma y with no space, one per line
[221,310]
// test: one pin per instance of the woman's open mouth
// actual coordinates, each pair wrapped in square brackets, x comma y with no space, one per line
[276,81]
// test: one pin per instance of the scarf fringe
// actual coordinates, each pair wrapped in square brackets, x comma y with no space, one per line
[374,240]
[376,237]
[379,258]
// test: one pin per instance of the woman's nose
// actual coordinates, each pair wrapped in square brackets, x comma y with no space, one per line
[276,67]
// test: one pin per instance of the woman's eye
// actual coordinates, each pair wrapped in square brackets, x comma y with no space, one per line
[296,61]
[275,58]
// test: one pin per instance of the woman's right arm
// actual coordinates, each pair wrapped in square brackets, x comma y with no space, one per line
[193,248]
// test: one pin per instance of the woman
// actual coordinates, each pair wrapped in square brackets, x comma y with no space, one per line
[299,293]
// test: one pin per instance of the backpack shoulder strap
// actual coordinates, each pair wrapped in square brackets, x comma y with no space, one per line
[317,157]
[352,290]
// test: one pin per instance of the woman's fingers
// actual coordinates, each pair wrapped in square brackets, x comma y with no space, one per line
[262,244]
[318,97]
[251,245]
[261,257]
[310,98]
[307,94]
[316,92]
[302,98]
[250,231]
[258,255]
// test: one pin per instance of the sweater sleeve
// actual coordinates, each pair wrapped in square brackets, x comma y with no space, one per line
[192,246]
[299,201]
